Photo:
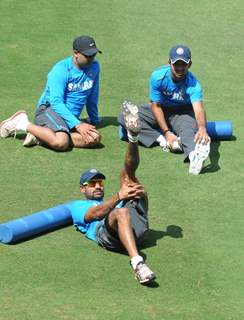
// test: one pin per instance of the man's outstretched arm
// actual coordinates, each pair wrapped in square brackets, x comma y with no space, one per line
[126,192]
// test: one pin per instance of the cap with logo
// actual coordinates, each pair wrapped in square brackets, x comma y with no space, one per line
[180,52]
[91,174]
[86,45]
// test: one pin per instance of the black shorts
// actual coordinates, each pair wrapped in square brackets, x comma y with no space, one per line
[46,117]
[138,214]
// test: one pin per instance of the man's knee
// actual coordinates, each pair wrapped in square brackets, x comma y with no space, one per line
[123,215]
[60,143]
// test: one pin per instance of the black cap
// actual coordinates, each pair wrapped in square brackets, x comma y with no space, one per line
[91,174]
[86,45]
[180,52]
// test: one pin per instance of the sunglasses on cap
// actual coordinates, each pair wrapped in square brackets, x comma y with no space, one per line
[93,183]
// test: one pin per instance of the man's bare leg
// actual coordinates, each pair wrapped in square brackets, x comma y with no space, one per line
[119,222]
[78,141]
[59,141]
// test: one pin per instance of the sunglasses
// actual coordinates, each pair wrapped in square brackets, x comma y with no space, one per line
[93,183]
[89,57]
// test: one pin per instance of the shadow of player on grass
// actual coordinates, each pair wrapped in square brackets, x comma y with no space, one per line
[153,235]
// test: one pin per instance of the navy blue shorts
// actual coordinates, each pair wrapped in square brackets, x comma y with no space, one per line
[46,117]
[138,214]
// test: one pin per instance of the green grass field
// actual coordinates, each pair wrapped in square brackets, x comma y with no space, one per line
[195,245]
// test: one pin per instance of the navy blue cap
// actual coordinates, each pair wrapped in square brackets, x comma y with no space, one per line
[86,45]
[91,174]
[180,52]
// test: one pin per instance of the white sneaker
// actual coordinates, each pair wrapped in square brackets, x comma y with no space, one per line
[17,122]
[131,117]
[176,146]
[30,140]
[143,274]
[198,156]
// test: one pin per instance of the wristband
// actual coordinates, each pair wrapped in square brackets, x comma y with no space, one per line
[165,131]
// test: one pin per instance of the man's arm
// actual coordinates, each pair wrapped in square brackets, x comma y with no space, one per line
[126,192]
[200,116]
[160,118]
[92,103]
[57,86]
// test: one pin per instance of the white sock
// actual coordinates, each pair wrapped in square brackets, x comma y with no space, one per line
[160,138]
[22,125]
[132,138]
[135,260]
[162,141]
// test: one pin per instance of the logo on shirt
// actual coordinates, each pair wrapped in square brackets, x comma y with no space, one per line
[86,85]
[179,96]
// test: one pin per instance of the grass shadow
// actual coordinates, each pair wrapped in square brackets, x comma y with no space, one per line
[214,157]
[153,235]
[108,121]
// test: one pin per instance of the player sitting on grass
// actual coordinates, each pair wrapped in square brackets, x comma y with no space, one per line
[119,223]
[71,84]
[175,117]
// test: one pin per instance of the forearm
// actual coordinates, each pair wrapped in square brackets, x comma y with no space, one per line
[159,116]
[200,114]
[103,209]
[68,117]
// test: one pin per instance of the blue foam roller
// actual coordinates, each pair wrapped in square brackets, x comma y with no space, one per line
[34,224]
[220,129]
[122,133]
[216,129]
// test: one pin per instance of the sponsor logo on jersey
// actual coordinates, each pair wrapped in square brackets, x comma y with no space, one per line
[86,85]
[177,95]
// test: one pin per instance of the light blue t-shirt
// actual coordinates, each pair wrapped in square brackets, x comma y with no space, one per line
[169,93]
[69,89]
[78,211]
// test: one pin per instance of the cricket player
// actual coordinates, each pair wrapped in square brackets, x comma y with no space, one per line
[71,84]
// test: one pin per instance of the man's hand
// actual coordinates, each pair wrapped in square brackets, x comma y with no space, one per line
[170,138]
[87,131]
[202,135]
[131,190]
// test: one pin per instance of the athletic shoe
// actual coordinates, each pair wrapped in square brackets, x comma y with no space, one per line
[176,146]
[198,156]
[16,122]
[143,274]
[30,140]
[131,117]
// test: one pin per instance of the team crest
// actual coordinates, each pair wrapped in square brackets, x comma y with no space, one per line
[180,51]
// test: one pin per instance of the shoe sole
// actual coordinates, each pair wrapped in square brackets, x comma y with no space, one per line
[11,118]
[202,156]
[131,110]
[148,280]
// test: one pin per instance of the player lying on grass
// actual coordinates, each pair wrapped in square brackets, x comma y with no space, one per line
[119,223]
[71,84]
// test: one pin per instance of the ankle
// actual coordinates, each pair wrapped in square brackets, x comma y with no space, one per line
[135,260]
[132,138]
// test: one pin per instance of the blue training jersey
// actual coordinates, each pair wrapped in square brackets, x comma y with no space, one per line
[78,211]
[69,89]
[169,93]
